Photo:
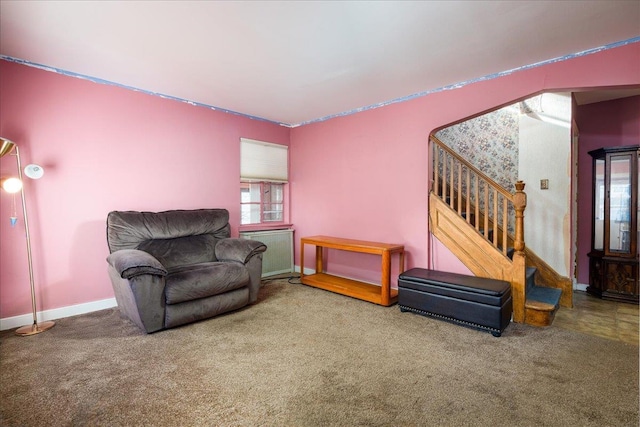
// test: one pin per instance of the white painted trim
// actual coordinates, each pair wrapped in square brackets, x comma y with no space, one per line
[56,313]
[580,287]
[309,271]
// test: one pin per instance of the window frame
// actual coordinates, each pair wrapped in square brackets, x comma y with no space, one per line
[263,164]
[262,203]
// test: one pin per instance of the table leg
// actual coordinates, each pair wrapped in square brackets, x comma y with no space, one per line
[386,278]
[319,261]
[301,259]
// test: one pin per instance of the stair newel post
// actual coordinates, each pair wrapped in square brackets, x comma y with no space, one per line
[519,204]
[518,280]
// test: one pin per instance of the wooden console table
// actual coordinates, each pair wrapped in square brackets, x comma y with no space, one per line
[382,294]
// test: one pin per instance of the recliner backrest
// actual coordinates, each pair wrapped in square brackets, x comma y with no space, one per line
[176,237]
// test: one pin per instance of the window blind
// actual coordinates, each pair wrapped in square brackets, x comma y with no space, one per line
[263,161]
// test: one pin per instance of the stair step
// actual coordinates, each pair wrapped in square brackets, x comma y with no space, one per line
[543,295]
[541,305]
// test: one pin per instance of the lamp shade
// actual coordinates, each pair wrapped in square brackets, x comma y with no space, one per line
[6,146]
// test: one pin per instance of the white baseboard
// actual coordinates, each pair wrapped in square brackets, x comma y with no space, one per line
[580,287]
[56,313]
[309,271]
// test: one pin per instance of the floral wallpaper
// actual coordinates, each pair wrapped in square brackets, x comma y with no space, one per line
[491,143]
[488,142]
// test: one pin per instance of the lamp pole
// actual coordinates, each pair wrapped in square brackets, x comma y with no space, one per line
[35,328]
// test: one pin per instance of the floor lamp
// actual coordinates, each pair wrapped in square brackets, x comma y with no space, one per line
[32,171]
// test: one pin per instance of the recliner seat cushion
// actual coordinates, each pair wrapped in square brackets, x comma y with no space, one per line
[181,250]
[204,280]
[204,308]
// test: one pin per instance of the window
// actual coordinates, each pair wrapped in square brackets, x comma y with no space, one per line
[263,177]
[262,202]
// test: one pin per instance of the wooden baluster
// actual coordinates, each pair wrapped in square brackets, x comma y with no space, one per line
[459,188]
[505,225]
[486,210]
[436,167]
[451,186]
[444,176]
[468,196]
[495,218]
[477,197]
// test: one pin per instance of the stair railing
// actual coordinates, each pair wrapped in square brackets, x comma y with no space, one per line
[493,211]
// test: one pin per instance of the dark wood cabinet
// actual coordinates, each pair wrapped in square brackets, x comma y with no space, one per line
[613,260]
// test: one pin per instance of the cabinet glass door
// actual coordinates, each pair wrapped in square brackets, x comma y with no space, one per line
[620,204]
[598,214]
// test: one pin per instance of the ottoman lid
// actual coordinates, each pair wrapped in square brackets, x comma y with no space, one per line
[457,281]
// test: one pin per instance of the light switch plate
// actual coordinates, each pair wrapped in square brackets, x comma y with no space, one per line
[544,184]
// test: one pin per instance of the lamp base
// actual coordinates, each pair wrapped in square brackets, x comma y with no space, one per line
[36,328]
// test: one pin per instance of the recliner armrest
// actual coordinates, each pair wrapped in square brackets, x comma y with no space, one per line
[240,250]
[133,262]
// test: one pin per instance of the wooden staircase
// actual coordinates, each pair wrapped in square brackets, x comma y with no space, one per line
[483,225]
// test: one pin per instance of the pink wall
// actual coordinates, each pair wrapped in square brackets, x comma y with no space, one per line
[603,124]
[365,176]
[362,176]
[104,148]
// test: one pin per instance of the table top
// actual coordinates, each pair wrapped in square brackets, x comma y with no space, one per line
[352,244]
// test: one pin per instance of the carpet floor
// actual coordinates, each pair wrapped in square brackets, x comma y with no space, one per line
[305,357]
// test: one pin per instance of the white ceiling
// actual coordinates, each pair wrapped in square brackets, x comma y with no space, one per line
[298,61]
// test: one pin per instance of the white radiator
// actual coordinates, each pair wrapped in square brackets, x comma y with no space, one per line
[278,258]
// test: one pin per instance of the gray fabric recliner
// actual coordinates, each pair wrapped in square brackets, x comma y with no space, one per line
[176,267]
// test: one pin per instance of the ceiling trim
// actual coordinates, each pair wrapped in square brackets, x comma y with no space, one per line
[147,92]
[325,118]
[479,79]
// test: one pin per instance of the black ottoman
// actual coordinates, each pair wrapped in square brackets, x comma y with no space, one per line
[476,302]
